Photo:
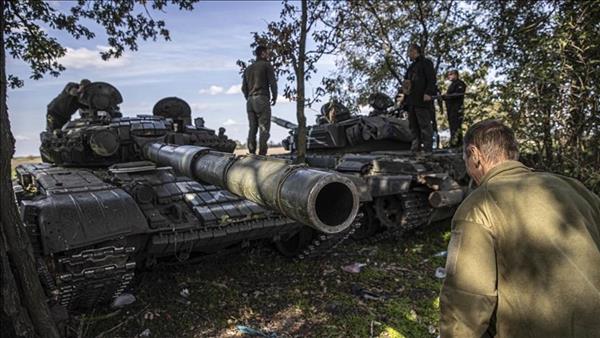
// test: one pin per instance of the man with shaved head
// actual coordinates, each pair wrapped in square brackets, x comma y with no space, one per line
[524,256]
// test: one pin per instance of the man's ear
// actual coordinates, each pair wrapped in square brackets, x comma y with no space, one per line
[470,151]
[474,154]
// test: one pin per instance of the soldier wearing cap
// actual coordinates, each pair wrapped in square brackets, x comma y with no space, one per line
[258,80]
[62,107]
[524,255]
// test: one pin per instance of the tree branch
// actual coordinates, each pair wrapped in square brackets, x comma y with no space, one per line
[385,37]
[425,33]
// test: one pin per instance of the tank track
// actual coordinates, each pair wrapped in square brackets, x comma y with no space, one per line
[416,213]
[89,277]
[324,243]
[95,276]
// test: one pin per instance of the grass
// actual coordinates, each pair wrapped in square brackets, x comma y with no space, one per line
[260,289]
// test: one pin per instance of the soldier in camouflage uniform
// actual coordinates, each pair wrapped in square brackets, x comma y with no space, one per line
[524,256]
[258,78]
[62,107]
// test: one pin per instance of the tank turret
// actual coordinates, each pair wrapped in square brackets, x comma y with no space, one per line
[102,136]
[339,131]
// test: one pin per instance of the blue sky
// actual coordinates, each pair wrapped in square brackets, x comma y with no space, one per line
[198,65]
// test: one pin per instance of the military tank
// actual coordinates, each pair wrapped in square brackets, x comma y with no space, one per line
[121,193]
[399,190]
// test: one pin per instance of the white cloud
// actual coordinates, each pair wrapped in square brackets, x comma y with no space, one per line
[81,58]
[217,90]
[199,107]
[283,99]
[212,90]
[235,89]
[19,137]
[230,122]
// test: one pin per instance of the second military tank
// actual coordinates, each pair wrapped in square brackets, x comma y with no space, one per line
[399,190]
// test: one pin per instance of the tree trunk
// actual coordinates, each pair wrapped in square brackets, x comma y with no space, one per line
[300,86]
[24,310]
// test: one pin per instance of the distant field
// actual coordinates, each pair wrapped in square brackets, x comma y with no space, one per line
[272,151]
[23,160]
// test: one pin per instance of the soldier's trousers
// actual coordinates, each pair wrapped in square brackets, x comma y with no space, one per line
[259,118]
[455,119]
[421,127]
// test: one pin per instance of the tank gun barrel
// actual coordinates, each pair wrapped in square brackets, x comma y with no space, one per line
[283,123]
[326,201]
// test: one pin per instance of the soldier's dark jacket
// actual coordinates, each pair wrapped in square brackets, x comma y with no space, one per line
[455,102]
[65,104]
[422,77]
[259,77]
[524,258]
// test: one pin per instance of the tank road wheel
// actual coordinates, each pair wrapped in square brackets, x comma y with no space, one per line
[295,244]
[389,210]
[369,224]
[401,213]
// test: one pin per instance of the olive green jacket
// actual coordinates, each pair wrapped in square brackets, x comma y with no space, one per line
[258,78]
[524,258]
[65,104]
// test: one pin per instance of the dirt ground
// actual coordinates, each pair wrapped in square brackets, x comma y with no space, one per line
[394,295]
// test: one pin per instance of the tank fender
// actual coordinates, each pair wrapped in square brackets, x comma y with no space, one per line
[384,185]
[72,220]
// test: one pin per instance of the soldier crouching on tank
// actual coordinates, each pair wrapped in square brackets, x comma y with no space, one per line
[62,107]
[524,258]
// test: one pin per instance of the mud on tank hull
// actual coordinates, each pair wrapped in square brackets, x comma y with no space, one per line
[90,229]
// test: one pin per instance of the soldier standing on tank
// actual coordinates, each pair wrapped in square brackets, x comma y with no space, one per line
[523,258]
[419,87]
[258,78]
[454,98]
[62,107]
